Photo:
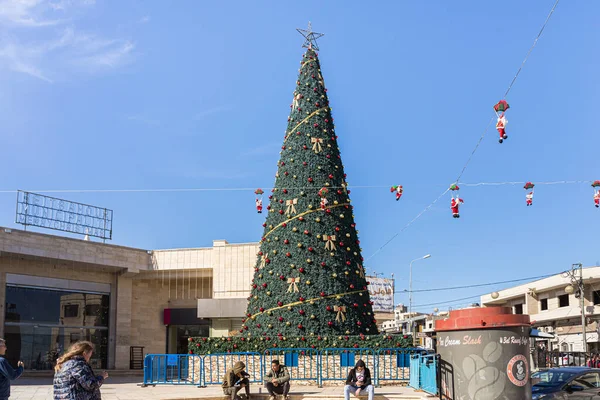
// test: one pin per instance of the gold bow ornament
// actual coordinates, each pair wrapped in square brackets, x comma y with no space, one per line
[291,209]
[340,317]
[316,144]
[329,242]
[293,284]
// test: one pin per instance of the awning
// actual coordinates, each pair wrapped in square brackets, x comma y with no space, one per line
[538,334]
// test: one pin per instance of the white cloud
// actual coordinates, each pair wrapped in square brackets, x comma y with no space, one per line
[63,49]
[145,19]
[210,111]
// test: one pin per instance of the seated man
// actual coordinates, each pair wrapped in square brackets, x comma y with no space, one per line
[358,381]
[278,380]
[235,379]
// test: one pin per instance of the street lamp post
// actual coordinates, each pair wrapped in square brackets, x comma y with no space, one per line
[410,293]
[576,287]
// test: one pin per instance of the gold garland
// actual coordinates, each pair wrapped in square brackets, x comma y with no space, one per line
[305,301]
[301,215]
[307,62]
[304,120]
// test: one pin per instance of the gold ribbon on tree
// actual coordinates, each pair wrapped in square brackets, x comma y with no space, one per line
[361,271]
[329,242]
[340,317]
[293,284]
[291,209]
[316,144]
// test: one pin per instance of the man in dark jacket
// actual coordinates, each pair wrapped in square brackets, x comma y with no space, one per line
[235,379]
[277,380]
[7,373]
[359,380]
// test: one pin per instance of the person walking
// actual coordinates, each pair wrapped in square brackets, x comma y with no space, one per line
[359,380]
[235,380]
[74,378]
[7,372]
[277,381]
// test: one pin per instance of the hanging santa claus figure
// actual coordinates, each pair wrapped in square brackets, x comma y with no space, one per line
[597,198]
[259,206]
[322,193]
[501,107]
[454,205]
[529,198]
[398,189]
[324,203]
[258,192]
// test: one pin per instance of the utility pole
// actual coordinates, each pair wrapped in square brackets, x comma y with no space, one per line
[577,287]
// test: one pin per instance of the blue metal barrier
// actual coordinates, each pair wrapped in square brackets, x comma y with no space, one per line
[216,365]
[172,369]
[336,363]
[393,364]
[414,381]
[302,364]
[428,373]
[423,372]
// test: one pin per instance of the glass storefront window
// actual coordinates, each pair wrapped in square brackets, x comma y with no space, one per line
[184,332]
[40,324]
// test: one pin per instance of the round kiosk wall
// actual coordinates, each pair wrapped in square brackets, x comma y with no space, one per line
[484,354]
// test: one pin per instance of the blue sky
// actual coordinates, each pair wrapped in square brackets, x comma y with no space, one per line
[140,95]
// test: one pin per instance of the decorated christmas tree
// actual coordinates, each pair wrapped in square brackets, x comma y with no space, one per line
[309,279]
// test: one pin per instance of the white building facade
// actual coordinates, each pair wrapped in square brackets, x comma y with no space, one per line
[553,309]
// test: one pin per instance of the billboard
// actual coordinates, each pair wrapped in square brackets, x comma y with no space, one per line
[63,215]
[381,291]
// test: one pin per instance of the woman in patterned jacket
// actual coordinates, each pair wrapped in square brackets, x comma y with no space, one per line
[74,378]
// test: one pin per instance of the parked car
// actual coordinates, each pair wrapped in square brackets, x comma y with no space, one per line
[566,383]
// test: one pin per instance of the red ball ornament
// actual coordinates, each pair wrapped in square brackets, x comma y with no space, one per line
[337,228]
[254,286]
[305,163]
[300,326]
[356,345]
[267,261]
[323,264]
[328,156]
[285,191]
[351,286]
[330,323]
[286,173]
[283,279]
[280,201]
[280,211]
[358,323]
[260,253]
[278,303]
[323,294]
[264,225]
[301,270]
[306,232]
[235,346]
[348,263]
[282,147]
[329,308]
[301,298]
[288,254]
[301,312]
[310,179]
[330,176]
[258,325]
[280,319]
[248,315]
[311,249]
[284,225]
[355,305]
[305,147]
[286,241]
[282,163]
[300,218]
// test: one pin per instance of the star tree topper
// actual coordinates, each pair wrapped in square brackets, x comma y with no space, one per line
[310,37]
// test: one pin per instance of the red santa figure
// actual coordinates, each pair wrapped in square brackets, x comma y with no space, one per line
[259,206]
[324,203]
[399,191]
[501,127]
[529,198]
[597,198]
[454,205]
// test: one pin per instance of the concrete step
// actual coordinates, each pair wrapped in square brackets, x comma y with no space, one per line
[111,372]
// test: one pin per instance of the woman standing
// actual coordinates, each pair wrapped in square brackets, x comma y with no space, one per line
[74,378]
